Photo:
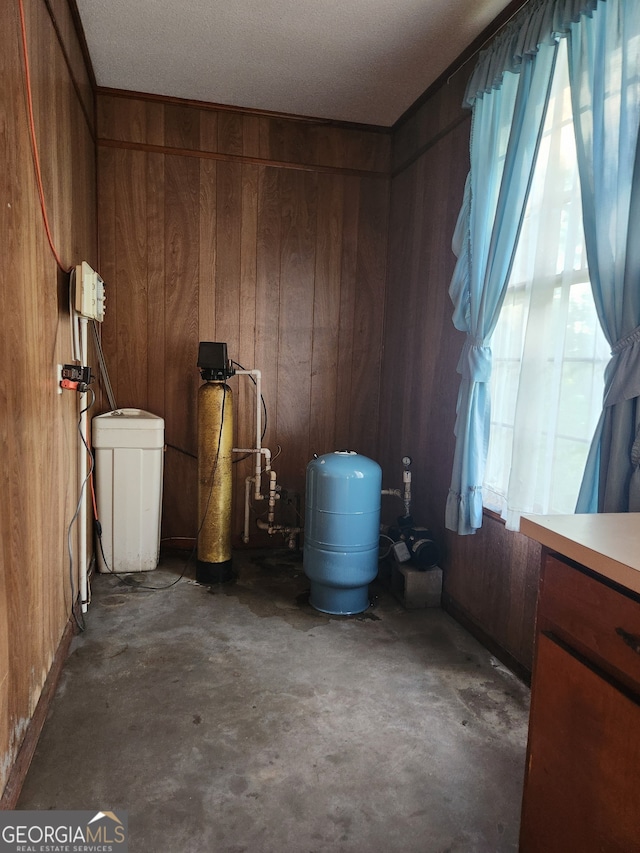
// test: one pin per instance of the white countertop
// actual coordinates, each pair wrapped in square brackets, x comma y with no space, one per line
[606,543]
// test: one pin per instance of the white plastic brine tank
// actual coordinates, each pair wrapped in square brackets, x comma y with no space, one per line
[129,454]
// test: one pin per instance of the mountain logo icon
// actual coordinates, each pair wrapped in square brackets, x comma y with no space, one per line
[111,815]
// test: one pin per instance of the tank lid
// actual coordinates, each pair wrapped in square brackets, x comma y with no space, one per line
[128,418]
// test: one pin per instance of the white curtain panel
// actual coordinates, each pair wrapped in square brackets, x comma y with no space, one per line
[549,352]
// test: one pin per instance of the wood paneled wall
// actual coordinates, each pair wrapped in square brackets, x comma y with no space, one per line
[490,578]
[266,233]
[38,433]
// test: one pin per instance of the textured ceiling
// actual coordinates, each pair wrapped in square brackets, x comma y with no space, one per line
[351,60]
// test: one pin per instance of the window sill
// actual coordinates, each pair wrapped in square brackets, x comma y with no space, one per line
[494,515]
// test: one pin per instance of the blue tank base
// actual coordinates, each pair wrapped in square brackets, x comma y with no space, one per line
[339,602]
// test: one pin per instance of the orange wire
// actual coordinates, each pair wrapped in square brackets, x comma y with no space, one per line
[34,144]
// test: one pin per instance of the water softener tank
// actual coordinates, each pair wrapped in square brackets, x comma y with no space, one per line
[341,533]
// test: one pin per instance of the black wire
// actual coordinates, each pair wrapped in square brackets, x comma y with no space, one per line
[181,450]
[290,502]
[264,405]
[264,428]
[81,625]
[134,584]
[104,372]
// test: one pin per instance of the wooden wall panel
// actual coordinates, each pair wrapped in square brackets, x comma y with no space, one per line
[267,307]
[490,579]
[78,74]
[349,277]
[181,214]
[228,258]
[251,136]
[155,270]
[371,271]
[435,119]
[230,133]
[245,389]
[227,273]
[37,425]
[207,260]
[325,376]
[298,199]
[181,126]
[277,246]
[133,119]
[131,272]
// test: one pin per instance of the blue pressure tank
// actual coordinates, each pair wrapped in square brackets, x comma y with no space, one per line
[342,530]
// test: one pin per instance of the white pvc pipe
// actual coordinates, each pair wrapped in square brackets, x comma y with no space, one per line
[272,497]
[247,501]
[406,476]
[263,450]
[257,449]
[82,476]
[256,479]
[405,495]
[270,526]
[291,532]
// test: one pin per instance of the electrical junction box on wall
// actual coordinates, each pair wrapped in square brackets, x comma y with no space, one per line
[89,293]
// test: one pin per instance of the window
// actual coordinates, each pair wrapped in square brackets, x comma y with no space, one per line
[549,352]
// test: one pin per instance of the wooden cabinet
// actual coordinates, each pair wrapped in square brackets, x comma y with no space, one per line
[582,785]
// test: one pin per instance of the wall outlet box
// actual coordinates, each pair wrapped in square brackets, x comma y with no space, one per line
[89,299]
[76,373]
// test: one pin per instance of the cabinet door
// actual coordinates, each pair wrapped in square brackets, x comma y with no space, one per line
[582,790]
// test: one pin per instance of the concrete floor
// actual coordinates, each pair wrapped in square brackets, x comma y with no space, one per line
[239,720]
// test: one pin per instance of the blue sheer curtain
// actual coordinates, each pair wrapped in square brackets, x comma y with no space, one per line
[506,129]
[604,64]
[508,92]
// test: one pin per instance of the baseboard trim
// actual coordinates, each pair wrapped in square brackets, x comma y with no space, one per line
[505,657]
[20,768]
